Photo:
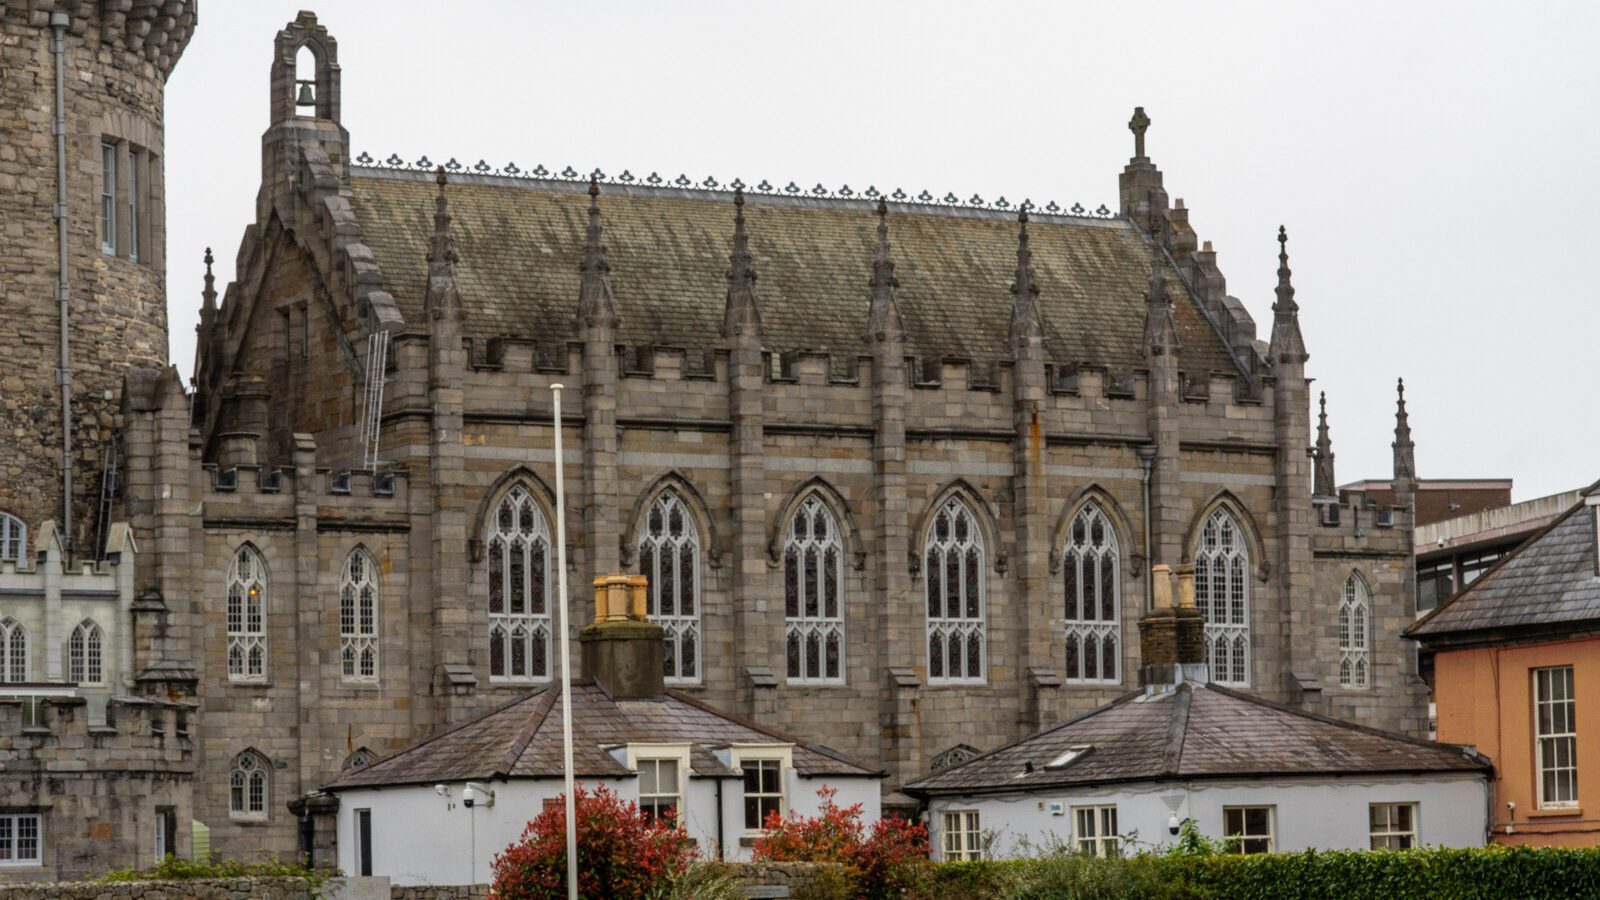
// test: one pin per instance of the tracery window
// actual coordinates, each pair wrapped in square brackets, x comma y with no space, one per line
[954,554]
[13,540]
[358,618]
[1355,613]
[669,556]
[362,756]
[813,579]
[1221,591]
[248,786]
[247,627]
[84,654]
[13,651]
[519,590]
[1091,575]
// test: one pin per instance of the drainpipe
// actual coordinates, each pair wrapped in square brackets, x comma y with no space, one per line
[720,839]
[1147,462]
[58,25]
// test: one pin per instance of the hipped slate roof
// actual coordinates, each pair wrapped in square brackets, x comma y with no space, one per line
[1547,582]
[521,241]
[1195,732]
[522,739]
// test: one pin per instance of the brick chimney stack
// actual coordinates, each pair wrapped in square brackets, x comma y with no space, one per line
[622,648]
[1172,638]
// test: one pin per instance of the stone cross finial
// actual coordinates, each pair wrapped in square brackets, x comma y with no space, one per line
[1138,125]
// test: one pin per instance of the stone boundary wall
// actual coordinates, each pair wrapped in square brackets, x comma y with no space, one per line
[774,880]
[440,892]
[196,889]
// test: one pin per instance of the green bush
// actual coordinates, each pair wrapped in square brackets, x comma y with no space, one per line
[1201,873]
[175,869]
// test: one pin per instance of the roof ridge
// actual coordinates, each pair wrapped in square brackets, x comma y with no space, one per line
[1414,628]
[763,729]
[452,729]
[508,760]
[1178,730]
[683,182]
[1440,746]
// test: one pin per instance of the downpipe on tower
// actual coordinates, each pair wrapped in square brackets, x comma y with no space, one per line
[58,26]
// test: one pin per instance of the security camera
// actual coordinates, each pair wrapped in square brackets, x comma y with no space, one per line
[475,793]
[442,790]
[469,797]
[1172,823]
[1441,540]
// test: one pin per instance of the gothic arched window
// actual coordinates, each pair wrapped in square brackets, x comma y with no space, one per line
[1355,613]
[85,659]
[1222,592]
[669,556]
[954,554]
[358,617]
[813,582]
[249,786]
[13,540]
[518,558]
[1091,569]
[13,651]
[247,627]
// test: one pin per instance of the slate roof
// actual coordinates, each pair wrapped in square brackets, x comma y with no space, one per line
[521,241]
[522,739]
[1195,732]
[1548,581]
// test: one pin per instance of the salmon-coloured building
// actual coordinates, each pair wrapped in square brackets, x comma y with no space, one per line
[1517,676]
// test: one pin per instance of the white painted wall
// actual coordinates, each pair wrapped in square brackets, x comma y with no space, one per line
[1322,813]
[422,838]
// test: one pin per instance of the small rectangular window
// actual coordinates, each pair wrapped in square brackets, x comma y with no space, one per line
[162,817]
[961,838]
[108,198]
[1096,830]
[659,794]
[763,791]
[133,204]
[363,843]
[1249,829]
[21,840]
[1556,736]
[1393,825]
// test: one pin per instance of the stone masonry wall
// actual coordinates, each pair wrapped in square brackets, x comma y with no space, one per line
[118,304]
[194,889]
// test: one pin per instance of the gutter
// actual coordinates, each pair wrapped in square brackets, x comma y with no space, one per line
[58,26]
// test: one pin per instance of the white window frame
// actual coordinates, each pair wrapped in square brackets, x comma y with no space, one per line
[517,557]
[782,755]
[960,835]
[109,152]
[86,654]
[133,203]
[1384,827]
[360,600]
[250,788]
[1555,732]
[636,756]
[813,594]
[1271,835]
[1094,830]
[13,541]
[1084,590]
[955,619]
[13,651]
[12,826]
[662,555]
[247,616]
[1355,634]
[1222,592]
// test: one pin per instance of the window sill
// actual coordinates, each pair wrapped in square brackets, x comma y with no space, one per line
[240,683]
[957,682]
[1551,812]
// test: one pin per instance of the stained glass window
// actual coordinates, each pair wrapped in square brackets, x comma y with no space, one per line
[956,602]
[813,563]
[669,556]
[1091,565]
[518,560]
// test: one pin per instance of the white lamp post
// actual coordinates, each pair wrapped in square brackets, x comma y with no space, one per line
[566,655]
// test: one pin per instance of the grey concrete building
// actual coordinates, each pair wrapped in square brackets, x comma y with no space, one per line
[898,494]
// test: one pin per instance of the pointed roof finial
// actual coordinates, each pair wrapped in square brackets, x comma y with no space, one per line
[444,295]
[883,315]
[1139,124]
[1160,328]
[595,304]
[1285,286]
[1325,486]
[208,295]
[442,247]
[1027,321]
[1405,458]
[1287,345]
[741,315]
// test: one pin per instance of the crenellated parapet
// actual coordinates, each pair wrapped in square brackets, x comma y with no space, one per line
[51,732]
[153,32]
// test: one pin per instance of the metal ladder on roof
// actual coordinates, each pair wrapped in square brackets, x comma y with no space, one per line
[109,475]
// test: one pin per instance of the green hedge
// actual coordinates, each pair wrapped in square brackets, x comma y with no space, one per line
[1490,873]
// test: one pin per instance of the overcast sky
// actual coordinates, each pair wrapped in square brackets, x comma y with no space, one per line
[1434,162]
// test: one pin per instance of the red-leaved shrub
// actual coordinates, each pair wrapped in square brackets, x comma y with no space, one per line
[889,859]
[621,853]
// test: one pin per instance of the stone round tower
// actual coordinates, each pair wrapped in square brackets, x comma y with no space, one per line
[82,241]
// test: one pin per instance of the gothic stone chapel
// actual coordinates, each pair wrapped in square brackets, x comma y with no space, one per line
[896,467]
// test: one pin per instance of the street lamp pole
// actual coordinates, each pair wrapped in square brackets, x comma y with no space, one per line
[566,655]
